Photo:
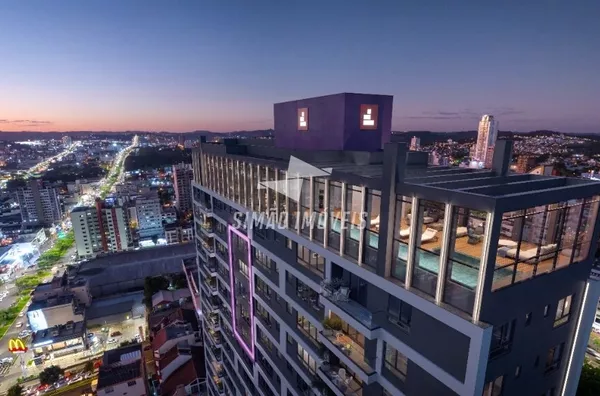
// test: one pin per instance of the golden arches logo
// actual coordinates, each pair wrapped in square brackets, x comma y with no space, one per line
[16,345]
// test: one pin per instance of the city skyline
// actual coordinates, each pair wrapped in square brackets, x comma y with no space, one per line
[218,67]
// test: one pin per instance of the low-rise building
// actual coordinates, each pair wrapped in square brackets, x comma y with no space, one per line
[54,311]
[59,340]
[123,372]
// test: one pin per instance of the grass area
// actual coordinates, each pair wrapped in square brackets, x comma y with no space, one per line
[8,316]
[52,256]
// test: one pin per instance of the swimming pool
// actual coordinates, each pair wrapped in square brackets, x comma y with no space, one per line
[464,274]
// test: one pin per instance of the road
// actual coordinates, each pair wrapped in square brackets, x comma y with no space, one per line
[44,164]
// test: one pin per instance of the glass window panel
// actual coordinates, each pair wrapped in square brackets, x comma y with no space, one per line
[335,210]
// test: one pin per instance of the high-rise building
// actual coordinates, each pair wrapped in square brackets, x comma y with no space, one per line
[39,204]
[182,179]
[415,143]
[104,228]
[149,216]
[487,134]
[375,274]
[66,140]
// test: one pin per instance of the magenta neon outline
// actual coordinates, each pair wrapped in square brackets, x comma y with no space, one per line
[249,349]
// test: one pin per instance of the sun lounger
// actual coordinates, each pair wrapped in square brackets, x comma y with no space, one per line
[405,233]
[461,232]
[429,235]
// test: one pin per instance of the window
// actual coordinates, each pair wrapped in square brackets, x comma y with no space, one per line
[553,358]
[307,359]
[501,339]
[289,308]
[243,267]
[528,319]
[399,312]
[396,362]
[311,260]
[290,339]
[546,309]
[493,388]
[563,310]
[306,327]
[517,371]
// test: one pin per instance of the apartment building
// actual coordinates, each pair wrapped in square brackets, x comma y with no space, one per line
[39,204]
[149,216]
[103,229]
[377,274]
[182,183]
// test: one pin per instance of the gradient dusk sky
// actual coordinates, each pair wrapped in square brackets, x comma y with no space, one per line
[221,64]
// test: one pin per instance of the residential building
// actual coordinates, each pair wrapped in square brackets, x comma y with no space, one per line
[182,179]
[175,233]
[61,286]
[103,229]
[377,274]
[39,204]
[66,141]
[149,218]
[415,143]
[123,372]
[487,134]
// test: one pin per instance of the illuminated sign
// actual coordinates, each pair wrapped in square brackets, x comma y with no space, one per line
[368,116]
[16,345]
[303,119]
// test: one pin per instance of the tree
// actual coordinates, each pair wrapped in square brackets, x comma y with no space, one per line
[15,390]
[89,366]
[51,374]
[27,282]
[589,381]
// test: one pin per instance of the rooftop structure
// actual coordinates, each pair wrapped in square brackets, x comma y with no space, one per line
[372,262]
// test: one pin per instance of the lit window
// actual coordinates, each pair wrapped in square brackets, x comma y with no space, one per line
[563,311]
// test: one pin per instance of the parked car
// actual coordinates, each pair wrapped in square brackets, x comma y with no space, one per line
[19,324]
[115,334]
[112,340]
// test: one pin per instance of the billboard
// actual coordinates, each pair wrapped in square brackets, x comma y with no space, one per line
[16,345]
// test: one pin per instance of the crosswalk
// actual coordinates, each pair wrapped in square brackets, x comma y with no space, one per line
[5,368]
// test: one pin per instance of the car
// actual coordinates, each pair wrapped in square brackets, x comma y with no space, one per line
[21,314]
[19,324]
[115,334]
[7,360]
[90,335]
[112,340]
[594,353]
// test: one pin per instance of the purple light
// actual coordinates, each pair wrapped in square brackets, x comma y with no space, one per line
[249,349]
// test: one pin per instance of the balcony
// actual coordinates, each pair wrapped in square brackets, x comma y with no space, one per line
[210,285]
[348,351]
[215,352]
[347,306]
[214,337]
[209,267]
[338,378]
[223,275]
[223,255]
[213,303]
[306,297]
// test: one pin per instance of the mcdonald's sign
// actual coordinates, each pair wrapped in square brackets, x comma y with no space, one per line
[16,345]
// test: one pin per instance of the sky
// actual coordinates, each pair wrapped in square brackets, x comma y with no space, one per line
[220,65]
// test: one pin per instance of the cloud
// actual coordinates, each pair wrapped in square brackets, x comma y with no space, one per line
[25,122]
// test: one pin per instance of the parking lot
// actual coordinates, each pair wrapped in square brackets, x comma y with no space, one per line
[111,336]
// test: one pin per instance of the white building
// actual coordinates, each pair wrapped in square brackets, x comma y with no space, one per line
[415,143]
[86,228]
[148,216]
[487,134]
[101,229]
[39,204]
[66,140]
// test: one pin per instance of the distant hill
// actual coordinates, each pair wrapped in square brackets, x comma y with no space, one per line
[124,135]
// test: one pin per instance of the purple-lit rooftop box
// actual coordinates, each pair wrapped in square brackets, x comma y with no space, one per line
[345,121]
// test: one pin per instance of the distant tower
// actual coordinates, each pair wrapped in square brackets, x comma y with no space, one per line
[415,143]
[486,138]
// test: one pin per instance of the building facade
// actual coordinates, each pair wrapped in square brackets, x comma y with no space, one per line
[39,204]
[182,183]
[104,228]
[487,134]
[376,274]
[149,216]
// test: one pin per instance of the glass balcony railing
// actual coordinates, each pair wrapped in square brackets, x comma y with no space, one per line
[342,380]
